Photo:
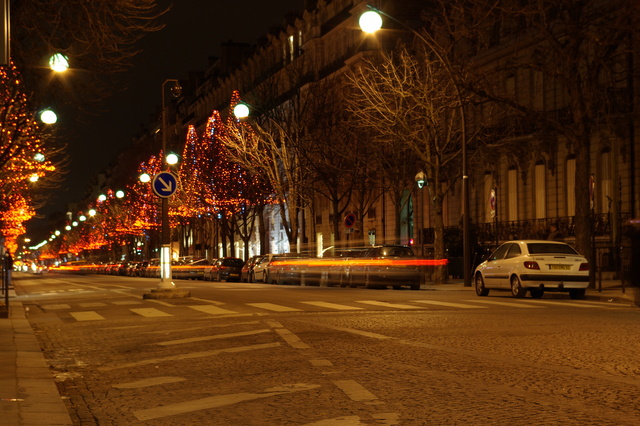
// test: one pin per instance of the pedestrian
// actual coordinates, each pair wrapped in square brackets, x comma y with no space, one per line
[555,234]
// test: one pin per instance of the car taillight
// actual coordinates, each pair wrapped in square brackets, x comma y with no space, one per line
[532,265]
[584,266]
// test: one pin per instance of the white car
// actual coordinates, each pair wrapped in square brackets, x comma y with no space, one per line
[535,266]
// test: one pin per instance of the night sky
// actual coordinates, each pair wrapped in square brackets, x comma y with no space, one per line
[194,31]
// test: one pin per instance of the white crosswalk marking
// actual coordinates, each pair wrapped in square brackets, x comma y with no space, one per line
[86,316]
[510,304]
[450,304]
[274,307]
[213,310]
[388,305]
[333,306]
[150,312]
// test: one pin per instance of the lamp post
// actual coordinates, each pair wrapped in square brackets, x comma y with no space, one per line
[370,22]
[165,251]
[420,179]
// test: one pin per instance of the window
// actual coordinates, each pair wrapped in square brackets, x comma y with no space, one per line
[605,182]
[500,252]
[570,180]
[514,251]
[512,188]
[540,191]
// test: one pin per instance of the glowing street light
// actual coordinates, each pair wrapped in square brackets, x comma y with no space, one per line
[119,193]
[144,178]
[59,62]
[48,117]
[172,159]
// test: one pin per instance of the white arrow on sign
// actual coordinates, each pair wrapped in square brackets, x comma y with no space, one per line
[166,186]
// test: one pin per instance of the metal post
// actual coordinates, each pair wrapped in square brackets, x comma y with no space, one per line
[165,251]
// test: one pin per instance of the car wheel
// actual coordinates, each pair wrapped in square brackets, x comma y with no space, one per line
[577,293]
[481,290]
[219,278]
[352,282]
[516,287]
[536,293]
[367,282]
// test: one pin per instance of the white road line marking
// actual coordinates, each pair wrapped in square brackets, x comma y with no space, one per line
[217,336]
[213,310]
[92,305]
[192,355]
[217,401]
[56,306]
[126,302]
[450,304]
[359,332]
[86,316]
[291,338]
[574,303]
[145,383]
[388,305]
[150,312]
[274,307]
[510,304]
[354,390]
[321,363]
[333,306]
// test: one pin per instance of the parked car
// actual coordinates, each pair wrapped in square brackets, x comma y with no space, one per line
[385,265]
[246,273]
[225,269]
[191,270]
[153,269]
[261,272]
[535,266]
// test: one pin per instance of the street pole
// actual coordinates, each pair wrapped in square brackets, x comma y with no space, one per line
[165,250]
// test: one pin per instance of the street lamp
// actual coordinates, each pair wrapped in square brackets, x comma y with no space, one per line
[165,251]
[420,179]
[369,24]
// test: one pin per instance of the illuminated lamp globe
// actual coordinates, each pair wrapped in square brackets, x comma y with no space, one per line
[102,197]
[172,159]
[119,193]
[144,177]
[68,227]
[39,157]
[48,117]
[92,212]
[34,178]
[59,62]
[370,22]
[241,111]
[82,218]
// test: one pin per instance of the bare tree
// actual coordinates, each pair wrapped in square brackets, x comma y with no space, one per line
[579,51]
[410,102]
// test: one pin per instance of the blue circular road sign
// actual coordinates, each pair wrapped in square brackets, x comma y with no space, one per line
[164,184]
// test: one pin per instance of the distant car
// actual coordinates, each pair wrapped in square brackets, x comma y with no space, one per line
[535,266]
[225,269]
[385,265]
[246,273]
[191,270]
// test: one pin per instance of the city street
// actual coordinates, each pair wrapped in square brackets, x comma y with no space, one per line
[259,354]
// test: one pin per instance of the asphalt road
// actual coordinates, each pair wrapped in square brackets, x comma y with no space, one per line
[258,354]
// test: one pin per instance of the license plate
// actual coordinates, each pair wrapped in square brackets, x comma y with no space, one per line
[560,267]
[234,275]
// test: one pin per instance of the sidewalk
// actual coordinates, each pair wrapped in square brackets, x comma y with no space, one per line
[611,291]
[28,393]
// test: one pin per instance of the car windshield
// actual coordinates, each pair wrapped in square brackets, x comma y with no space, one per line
[395,251]
[550,248]
[233,262]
